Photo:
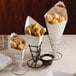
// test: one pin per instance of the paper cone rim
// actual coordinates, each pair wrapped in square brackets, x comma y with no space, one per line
[59,2]
[29,17]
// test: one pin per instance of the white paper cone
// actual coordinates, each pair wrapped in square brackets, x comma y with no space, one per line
[13,34]
[56,30]
[12,50]
[32,40]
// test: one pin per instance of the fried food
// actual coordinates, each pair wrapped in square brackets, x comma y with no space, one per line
[54,21]
[49,18]
[43,30]
[21,46]
[17,43]
[61,18]
[54,18]
[35,29]
[13,45]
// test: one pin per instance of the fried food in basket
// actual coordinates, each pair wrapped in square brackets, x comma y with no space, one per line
[13,45]
[35,29]
[54,18]
[17,43]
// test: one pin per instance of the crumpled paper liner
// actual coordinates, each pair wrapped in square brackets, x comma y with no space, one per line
[32,40]
[56,30]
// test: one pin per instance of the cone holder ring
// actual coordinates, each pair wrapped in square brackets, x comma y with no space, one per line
[58,55]
[34,60]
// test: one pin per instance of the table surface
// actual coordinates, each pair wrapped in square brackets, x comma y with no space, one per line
[66,64]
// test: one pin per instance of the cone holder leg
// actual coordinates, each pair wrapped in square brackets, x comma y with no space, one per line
[35,61]
[54,45]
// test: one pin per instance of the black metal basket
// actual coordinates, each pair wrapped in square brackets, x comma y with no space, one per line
[35,61]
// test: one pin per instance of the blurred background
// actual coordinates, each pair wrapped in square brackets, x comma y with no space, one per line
[13,14]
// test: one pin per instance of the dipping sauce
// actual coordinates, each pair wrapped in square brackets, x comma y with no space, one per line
[47,58]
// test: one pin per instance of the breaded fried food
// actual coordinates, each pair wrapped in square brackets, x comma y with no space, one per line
[54,18]
[13,45]
[35,29]
[17,43]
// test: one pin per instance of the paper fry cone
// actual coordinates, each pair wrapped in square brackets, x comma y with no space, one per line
[16,42]
[32,40]
[56,30]
[15,51]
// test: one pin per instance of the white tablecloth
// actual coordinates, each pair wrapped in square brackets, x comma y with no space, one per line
[66,64]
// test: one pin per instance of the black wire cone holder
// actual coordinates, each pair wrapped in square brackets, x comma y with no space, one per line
[35,61]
